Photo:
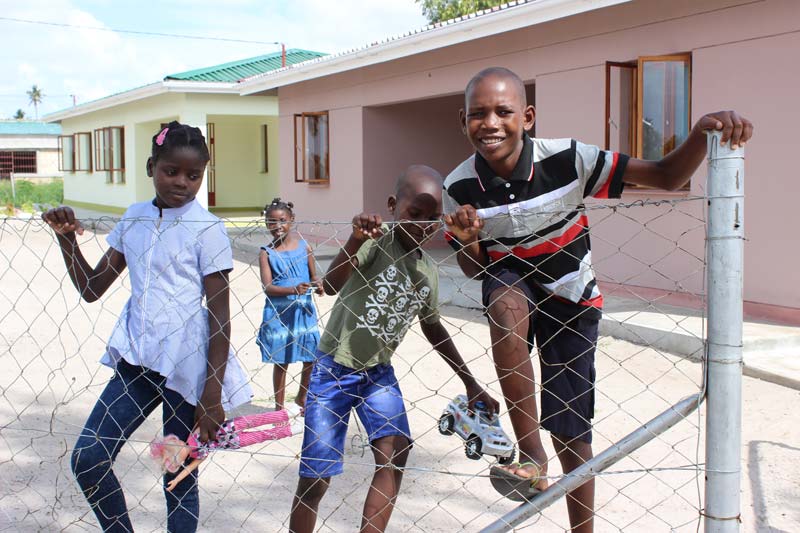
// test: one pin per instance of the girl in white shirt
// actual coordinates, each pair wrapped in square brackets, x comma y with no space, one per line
[167,348]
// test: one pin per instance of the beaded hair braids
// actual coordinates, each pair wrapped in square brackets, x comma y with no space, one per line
[277,203]
[177,135]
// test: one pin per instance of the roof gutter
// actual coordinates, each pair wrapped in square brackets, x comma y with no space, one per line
[450,33]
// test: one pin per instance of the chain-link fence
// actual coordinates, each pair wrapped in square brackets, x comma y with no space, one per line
[646,477]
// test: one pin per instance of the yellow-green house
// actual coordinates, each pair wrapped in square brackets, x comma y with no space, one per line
[105,143]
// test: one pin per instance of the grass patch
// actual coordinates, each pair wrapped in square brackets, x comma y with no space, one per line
[30,196]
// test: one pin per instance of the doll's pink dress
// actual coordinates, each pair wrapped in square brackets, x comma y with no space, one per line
[232,435]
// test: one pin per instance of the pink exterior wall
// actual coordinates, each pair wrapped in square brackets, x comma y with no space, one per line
[744,57]
[344,194]
[425,132]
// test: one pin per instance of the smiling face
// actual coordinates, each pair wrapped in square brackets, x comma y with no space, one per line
[279,222]
[417,206]
[495,119]
[177,176]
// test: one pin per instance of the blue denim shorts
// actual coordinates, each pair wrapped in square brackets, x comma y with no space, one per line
[333,391]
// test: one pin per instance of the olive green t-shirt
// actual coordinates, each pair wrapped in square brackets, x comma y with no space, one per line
[377,305]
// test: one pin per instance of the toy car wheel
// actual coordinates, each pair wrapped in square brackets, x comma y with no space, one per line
[508,460]
[446,424]
[473,447]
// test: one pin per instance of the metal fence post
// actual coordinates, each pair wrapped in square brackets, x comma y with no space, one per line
[725,244]
[13,188]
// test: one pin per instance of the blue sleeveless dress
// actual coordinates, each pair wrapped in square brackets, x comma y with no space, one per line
[289,332]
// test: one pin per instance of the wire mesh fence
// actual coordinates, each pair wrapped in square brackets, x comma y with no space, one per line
[51,341]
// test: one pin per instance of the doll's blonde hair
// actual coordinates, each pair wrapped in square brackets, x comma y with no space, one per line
[161,452]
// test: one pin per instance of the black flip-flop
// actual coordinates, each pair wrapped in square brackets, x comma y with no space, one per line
[512,486]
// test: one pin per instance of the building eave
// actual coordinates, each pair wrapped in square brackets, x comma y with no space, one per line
[140,93]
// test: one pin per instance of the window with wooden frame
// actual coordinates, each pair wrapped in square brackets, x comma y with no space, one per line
[109,152]
[6,164]
[75,152]
[648,105]
[25,162]
[17,162]
[311,148]
[82,141]
[66,153]
[264,148]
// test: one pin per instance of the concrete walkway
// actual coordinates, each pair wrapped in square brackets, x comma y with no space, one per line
[771,352]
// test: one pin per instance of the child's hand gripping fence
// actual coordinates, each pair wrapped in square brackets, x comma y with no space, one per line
[650,262]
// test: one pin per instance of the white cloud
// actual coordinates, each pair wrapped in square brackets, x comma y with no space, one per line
[26,70]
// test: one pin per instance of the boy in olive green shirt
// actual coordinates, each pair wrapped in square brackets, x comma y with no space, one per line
[379,302]
[384,280]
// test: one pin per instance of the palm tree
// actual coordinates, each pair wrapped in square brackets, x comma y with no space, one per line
[19,115]
[35,95]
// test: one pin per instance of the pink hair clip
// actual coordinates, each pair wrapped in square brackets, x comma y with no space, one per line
[162,136]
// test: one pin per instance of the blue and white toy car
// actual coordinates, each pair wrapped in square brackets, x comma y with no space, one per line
[481,432]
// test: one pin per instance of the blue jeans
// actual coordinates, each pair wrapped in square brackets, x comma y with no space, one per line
[131,395]
[334,390]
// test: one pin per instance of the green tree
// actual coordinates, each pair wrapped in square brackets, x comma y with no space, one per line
[35,96]
[19,115]
[439,10]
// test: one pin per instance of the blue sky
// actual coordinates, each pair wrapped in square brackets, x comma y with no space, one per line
[90,64]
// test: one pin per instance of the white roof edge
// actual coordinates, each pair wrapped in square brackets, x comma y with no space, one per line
[146,91]
[452,32]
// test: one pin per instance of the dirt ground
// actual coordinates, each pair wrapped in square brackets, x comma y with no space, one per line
[50,344]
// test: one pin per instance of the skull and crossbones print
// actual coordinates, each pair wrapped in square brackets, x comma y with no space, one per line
[392,305]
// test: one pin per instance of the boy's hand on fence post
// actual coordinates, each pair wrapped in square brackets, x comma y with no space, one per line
[734,127]
[476,393]
[62,220]
[367,226]
[464,224]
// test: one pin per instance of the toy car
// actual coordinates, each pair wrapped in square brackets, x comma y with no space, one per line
[481,432]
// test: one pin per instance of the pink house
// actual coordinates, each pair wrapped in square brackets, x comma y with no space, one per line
[629,74]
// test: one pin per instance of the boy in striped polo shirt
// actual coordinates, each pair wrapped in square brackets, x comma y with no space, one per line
[514,212]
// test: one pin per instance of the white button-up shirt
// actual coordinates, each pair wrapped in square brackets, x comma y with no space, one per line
[164,325]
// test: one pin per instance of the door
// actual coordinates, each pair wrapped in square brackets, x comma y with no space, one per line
[211,170]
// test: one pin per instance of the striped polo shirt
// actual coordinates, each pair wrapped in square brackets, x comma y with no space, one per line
[535,221]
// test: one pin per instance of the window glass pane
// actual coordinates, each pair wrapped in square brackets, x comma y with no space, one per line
[298,148]
[6,164]
[621,98]
[83,152]
[25,162]
[665,107]
[100,150]
[66,153]
[116,148]
[316,147]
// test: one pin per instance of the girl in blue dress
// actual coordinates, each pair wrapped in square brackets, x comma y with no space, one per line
[289,331]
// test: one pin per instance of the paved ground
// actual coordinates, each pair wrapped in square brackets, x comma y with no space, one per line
[50,344]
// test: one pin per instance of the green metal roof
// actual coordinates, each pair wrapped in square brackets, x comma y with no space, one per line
[244,68]
[28,127]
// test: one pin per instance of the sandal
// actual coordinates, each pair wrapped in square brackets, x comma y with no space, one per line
[514,487]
